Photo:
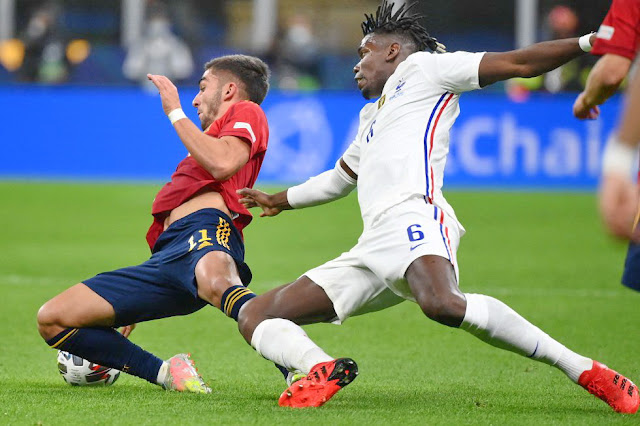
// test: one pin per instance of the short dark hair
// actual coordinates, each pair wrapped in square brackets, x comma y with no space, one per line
[252,72]
[401,23]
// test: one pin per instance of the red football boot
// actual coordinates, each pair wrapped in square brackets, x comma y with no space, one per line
[322,382]
[611,387]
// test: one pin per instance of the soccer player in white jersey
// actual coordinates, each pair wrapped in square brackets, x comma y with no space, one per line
[408,246]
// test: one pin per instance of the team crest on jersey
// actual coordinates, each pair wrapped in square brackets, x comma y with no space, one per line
[381,101]
[398,91]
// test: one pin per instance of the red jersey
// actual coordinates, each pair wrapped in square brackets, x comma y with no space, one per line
[245,120]
[620,30]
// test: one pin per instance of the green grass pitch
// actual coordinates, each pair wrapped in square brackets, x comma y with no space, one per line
[543,254]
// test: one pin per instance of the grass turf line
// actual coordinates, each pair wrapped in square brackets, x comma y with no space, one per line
[543,254]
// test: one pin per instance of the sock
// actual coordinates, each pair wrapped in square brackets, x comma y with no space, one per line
[286,344]
[162,373]
[107,347]
[233,298]
[232,302]
[495,323]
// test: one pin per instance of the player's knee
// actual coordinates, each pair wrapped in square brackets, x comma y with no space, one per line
[447,309]
[49,320]
[215,273]
[212,289]
[211,286]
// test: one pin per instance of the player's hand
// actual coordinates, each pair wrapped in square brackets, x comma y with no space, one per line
[618,199]
[168,92]
[583,111]
[254,198]
[127,329]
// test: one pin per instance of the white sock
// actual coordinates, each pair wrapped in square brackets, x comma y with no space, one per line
[286,344]
[495,323]
[162,373]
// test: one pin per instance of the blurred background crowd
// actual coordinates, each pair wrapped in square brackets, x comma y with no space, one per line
[310,44]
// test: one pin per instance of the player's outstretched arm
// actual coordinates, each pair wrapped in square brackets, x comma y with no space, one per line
[271,204]
[531,61]
[326,187]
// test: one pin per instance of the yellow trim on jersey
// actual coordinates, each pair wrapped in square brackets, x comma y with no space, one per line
[69,334]
[223,232]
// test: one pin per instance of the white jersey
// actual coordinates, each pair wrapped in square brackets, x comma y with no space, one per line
[403,139]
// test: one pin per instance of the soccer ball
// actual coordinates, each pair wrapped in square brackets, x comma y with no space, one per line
[79,372]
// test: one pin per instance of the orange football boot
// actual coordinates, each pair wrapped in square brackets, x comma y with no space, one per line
[611,387]
[322,382]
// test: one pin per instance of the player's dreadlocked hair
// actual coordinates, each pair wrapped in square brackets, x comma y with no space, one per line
[402,23]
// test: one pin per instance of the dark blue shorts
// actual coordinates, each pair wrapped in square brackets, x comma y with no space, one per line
[631,275]
[165,285]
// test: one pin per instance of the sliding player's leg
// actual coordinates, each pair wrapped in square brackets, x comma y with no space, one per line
[331,292]
[419,262]
[82,321]
[197,259]
[433,283]
[270,324]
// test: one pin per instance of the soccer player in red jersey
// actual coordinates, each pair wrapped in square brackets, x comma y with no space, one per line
[195,238]
[618,41]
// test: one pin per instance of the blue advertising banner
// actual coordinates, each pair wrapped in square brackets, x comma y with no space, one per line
[90,133]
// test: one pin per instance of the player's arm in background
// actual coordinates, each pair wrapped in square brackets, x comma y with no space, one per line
[533,60]
[321,189]
[617,42]
[618,195]
[603,81]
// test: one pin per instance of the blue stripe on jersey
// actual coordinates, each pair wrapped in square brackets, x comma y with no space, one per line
[426,141]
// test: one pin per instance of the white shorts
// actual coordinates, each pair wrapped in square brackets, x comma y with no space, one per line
[370,276]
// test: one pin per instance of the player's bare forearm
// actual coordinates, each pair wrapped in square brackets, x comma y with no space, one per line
[271,204]
[546,56]
[222,157]
[605,78]
[279,200]
[629,130]
[598,90]
[197,143]
[529,61]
